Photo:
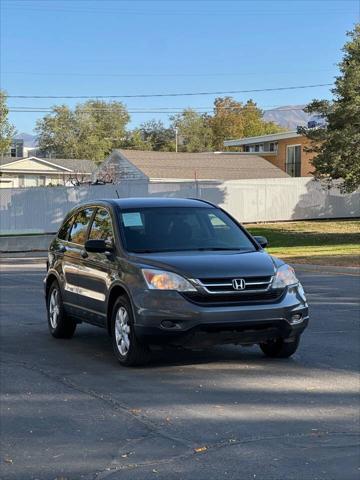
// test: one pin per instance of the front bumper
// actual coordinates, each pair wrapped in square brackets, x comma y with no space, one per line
[167,317]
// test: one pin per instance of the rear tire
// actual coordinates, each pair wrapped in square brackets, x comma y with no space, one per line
[279,348]
[60,325]
[127,347]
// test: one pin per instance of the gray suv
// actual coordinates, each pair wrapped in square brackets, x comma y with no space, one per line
[178,272]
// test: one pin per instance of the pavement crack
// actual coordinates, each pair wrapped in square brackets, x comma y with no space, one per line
[102,474]
[150,426]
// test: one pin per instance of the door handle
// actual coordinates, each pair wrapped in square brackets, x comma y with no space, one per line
[84,253]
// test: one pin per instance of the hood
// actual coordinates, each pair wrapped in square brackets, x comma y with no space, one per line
[211,264]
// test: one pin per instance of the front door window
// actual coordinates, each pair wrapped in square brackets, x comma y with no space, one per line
[80,226]
[101,228]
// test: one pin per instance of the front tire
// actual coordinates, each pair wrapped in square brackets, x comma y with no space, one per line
[127,347]
[279,348]
[60,325]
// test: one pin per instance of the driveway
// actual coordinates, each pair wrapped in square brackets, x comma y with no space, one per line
[70,411]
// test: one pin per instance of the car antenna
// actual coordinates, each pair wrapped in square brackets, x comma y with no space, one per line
[117,193]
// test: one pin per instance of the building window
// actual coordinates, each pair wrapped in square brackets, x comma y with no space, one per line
[258,147]
[273,147]
[293,160]
[31,181]
[41,181]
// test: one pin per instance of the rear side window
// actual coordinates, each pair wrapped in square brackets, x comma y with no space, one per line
[101,228]
[80,226]
[65,228]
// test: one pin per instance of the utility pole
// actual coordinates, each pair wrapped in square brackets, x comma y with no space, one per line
[176,139]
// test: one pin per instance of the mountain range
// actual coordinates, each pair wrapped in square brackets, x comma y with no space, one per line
[29,140]
[288,116]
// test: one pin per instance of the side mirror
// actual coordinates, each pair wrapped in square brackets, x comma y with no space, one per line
[97,246]
[262,241]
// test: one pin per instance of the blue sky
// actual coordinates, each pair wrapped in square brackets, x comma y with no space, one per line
[83,47]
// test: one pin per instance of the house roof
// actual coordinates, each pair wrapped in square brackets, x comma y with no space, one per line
[273,137]
[203,166]
[63,164]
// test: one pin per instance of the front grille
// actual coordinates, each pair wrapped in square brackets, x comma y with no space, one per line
[234,298]
[225,285]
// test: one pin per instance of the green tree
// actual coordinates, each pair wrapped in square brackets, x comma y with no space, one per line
[157,136]
[134,140]
[58,133]
[7,130]
[102,127]
[194,131]
[337,144]
[234,119]
[91,130]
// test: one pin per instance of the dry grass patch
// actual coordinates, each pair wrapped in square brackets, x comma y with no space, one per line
[321,242]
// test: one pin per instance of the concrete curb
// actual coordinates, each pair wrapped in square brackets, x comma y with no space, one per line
[25,243]
[24,255]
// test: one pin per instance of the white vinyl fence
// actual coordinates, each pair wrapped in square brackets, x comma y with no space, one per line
[40,210]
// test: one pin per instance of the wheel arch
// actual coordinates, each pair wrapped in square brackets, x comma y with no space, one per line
[116,292]
[51,277]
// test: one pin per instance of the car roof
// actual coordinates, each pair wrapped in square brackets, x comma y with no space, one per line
[143,202]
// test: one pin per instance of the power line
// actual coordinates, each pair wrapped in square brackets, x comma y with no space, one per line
[186,94]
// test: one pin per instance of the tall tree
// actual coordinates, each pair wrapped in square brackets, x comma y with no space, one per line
[337,144]
[234,119]
[134,140]
[159,137]
[7,130]
[194,130]
[102,127]
[90,131]
[58,133]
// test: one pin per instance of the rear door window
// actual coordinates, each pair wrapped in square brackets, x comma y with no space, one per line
[80,226]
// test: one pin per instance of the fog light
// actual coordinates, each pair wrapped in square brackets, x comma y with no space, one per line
[297,318]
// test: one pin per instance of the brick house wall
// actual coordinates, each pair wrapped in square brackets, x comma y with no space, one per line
[279,158]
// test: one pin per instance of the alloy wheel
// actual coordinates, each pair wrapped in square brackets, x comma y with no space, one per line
[122,331]
[54,308]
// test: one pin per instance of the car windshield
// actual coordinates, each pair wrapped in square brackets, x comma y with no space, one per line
[167,229]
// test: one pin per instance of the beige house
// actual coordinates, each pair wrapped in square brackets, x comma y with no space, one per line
[40,172]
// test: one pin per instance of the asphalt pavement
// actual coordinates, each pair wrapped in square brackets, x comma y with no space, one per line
[70,411]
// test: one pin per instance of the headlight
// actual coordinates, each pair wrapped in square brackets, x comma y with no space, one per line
[161,280]
[284,277]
